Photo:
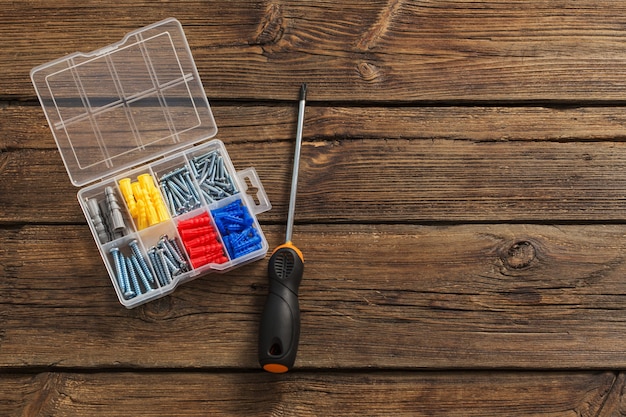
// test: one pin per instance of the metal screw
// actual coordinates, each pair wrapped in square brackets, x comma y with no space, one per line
[138,269]
[171,252]
[120,270]
[214,180]
[174,270]
[158,268]
[166,272]
[142,276]
[192,187]
[133,278]
[179,190]
[135,248]
[175,248]
[168,252]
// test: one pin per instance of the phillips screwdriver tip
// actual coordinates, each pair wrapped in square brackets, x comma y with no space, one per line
[303,92]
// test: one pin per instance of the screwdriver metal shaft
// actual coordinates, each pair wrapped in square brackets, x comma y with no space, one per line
[296,165]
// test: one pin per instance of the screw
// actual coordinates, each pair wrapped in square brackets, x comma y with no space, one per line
[171,267]
[133,278]
[175,263]
[143,278]
[214,180]
[138,269]
[171,253]
[135,248]
[179,190]
[178,253]
[121,271]
[158,268]
[191,186]
[166,272]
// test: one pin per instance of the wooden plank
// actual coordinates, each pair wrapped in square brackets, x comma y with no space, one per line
[348,51]
[306,394]
[426,178]
[386,181]
[26,126]
[374,296]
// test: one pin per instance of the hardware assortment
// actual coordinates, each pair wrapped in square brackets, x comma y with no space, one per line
[156,236]
[134,128]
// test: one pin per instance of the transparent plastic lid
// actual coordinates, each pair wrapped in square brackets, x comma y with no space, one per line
[124,104]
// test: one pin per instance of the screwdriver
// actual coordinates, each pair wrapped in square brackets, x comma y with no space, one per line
[280,323]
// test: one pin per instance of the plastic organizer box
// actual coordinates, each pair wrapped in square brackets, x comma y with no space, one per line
[164,204]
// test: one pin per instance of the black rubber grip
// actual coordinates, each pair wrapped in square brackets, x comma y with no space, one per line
[279,333]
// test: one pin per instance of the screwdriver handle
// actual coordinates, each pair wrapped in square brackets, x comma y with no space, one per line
[280,323]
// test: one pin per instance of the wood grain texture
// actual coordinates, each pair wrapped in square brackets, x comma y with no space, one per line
[461,211]
[408,297]
[391,181]
[25,127]
[349,51]
[304,394]
[446,164]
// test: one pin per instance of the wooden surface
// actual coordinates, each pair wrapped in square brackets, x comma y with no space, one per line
[461,209]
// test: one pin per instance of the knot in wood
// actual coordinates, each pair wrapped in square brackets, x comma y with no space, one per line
[368,72]
[271,27]
[520,255]
[158,310]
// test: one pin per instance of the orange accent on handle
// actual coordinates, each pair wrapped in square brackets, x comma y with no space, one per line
[275,368]
[290,246]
